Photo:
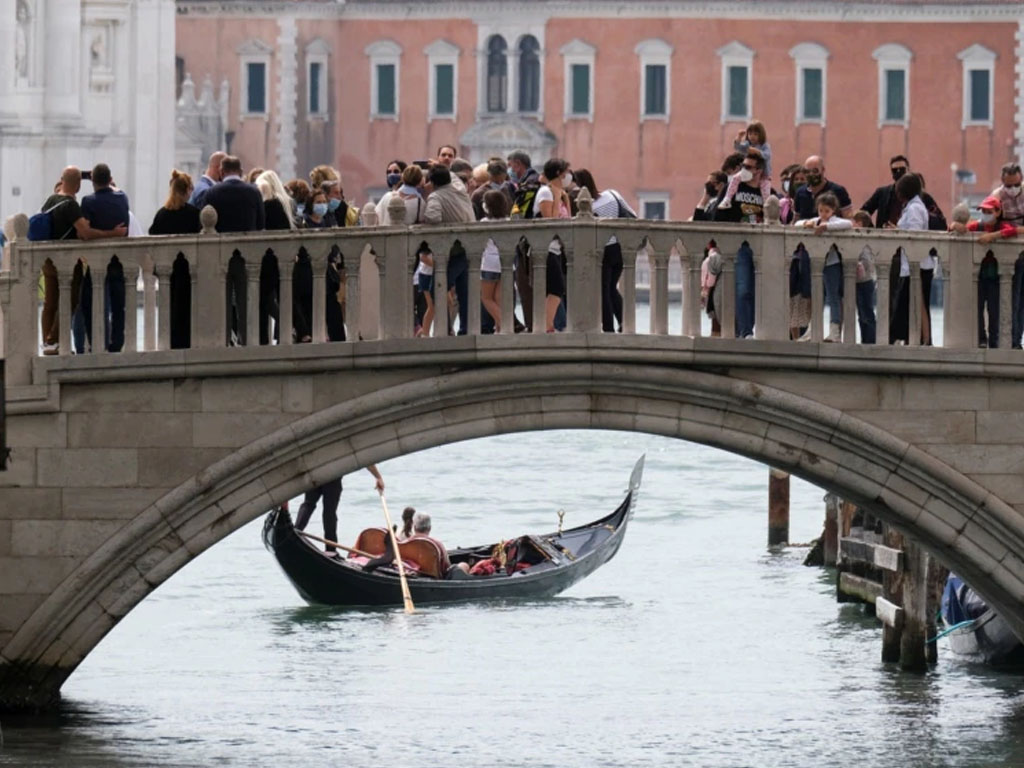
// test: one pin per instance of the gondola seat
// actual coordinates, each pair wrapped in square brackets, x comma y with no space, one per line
[427,554]
[372,541]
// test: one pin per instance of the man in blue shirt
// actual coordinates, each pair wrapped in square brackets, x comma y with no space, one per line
[107,208]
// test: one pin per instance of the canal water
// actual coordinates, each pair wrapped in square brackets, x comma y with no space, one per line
[694,646]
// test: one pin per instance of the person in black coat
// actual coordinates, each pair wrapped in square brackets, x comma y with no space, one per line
[277,216]
[239,207]
[178,217]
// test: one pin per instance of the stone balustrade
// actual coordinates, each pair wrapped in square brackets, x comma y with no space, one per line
[380,261]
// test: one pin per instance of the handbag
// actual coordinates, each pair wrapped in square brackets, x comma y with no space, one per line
[624,212]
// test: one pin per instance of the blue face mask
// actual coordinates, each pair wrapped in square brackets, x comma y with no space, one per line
[513,176]
[334,203]
[393,178]
[319,209]
[300,208]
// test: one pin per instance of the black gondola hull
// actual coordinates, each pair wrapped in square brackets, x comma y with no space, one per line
[328,581]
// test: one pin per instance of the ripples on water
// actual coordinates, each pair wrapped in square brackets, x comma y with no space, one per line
[694,646]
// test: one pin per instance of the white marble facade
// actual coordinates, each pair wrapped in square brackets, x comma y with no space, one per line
[83,82]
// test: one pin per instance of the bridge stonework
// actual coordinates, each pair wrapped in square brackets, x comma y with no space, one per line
[122,473]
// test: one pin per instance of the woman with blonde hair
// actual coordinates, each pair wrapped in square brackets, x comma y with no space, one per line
[322,173]
[277,205]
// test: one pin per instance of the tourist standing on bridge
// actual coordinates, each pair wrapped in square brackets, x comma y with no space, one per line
[525,181]
[330,492]
[914,217]
[178,217]
[449,204]
[552,202]
[806,207]
[207,180]
[1010,196]
[106,208]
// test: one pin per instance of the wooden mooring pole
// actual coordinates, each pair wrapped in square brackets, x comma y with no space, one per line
[778,507]
[915,607]
[892,592]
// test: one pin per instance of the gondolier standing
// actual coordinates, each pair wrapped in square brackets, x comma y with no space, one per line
[331,494]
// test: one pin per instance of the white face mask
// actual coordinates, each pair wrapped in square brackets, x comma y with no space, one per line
[746,175]
[1013,191]
[785,186]
[567,179]
[988,218]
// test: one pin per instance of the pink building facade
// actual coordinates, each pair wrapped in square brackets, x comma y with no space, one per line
[648,95]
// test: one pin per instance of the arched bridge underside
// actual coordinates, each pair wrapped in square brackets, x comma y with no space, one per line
[124,470]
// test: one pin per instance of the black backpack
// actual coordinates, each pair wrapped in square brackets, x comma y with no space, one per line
[523,203]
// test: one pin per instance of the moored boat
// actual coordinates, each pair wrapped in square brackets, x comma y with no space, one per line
[532,566]
[974,630]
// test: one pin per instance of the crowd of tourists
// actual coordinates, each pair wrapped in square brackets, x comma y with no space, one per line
[449,190]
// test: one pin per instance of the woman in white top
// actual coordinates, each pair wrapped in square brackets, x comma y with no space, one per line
[608,204]
[496,208]
[409,191]
[552,202]
[913,217]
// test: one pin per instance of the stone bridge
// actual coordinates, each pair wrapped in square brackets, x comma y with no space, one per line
[124,466]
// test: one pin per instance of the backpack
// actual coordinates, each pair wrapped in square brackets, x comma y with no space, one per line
[522,204]
[40,225]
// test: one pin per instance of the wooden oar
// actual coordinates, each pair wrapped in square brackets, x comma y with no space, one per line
[330,543]
[406,597]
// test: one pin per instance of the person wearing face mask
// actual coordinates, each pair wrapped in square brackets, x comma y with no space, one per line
[393,175]
[806,207]
[884,204]
[298,190]
[339,213]
[792,178]
[1010,195]
[714,187]
[316,213]
[552,202]
[497,181]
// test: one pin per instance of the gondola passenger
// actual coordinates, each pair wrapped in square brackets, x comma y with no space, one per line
[421,530]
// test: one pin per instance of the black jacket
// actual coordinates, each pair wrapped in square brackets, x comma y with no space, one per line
[239,205]
[879,202]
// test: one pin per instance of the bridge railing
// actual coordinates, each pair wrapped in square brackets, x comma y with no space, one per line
[379,263]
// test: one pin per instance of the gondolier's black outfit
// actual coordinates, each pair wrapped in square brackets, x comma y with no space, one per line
[331,493]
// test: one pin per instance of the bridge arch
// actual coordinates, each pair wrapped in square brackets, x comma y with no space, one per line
[950,514]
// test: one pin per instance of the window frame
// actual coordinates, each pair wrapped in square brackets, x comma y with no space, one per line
[893,57]
[578,52]
[439,53]
[977,58]
[383,53]
[253,51]
[317,52]
[810,56]
[655,52]
[643,198]
[736,54]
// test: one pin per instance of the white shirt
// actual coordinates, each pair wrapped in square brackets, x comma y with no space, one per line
[491,261]
[914,218]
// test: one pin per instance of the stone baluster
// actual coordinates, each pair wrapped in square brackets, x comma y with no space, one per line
[440,290]
[252,299]
[585,264]
[659,290]
[817,293]
[352,289]
[475,257]
[64,273]
[507,254]
[686,268]
[163,300]
[1006,259]
[131,304]
[20,326]
[149,284]
[771,286]
[849,266]
[539,267]
[318,261]
[725,294]
[285,268]
[883,263]
[629,290]
[395,285]
[97,340]
[209,295]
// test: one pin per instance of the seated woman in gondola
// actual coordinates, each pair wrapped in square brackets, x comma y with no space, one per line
[421,526]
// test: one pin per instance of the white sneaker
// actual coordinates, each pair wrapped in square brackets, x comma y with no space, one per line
[50,349]
[806,336]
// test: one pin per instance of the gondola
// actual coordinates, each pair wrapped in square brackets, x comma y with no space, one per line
[533,566]
[974,630]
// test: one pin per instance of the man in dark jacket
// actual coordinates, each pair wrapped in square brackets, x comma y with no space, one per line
[885,206]
[239,207]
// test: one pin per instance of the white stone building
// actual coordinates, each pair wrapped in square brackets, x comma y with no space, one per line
[83,82]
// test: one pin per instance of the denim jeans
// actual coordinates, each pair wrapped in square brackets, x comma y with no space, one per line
[561,318]
[81,320]
[866,311]
[833,277]
[744,291]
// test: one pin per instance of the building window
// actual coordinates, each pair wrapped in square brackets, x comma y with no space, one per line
[737,67]
[893,84]
[655,79]
[653,205]
[497,74]
[811,62]
[317,54]
[443,63]
[979,67]
[254,59]
[384,79]
[529,74]
[579,79]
